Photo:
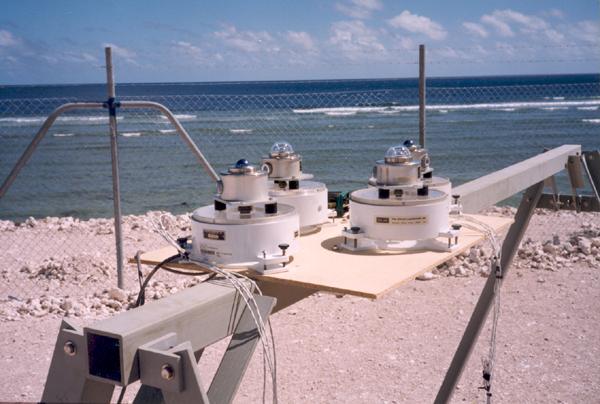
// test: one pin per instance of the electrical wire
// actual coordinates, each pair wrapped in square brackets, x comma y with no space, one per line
[138,261]
[160,229]
[142,294]
[239,282]
[491,236]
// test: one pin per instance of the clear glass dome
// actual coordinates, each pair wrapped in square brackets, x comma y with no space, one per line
[398,152]
[281,149]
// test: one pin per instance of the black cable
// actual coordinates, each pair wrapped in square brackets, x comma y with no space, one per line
[121,395]
[142,295]
[139,267]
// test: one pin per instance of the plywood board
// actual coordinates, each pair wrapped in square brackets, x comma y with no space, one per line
[367,274]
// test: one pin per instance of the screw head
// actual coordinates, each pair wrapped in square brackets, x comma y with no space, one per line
[70,348]
[167,372]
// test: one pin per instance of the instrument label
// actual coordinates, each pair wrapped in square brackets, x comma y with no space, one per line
[214,234]
[401,220]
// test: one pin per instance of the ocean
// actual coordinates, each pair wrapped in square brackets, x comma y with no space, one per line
[475,125]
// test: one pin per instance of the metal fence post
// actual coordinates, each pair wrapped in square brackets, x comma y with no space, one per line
[422,95]
[112,116]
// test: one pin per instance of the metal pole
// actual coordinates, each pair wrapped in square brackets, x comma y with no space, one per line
[112,121]
[180,129]
[38,138]
[422,95]
[486,299]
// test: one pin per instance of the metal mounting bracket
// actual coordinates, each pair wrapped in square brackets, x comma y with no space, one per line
[158,343]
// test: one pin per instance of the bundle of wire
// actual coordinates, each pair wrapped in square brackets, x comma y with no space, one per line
[490,234]
[243,286]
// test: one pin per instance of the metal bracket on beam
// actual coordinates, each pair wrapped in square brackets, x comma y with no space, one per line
[156,343]
[67,381]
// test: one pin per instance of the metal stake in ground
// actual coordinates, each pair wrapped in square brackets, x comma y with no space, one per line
[112,122]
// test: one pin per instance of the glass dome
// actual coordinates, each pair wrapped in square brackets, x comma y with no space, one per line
[281,149]
[398,153]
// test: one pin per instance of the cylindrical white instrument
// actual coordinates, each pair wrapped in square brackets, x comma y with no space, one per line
[245,227]
[225,237]
[288,186]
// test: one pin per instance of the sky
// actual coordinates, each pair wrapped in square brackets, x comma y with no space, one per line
[62,41]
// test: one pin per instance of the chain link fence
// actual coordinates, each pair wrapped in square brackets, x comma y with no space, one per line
[57,224]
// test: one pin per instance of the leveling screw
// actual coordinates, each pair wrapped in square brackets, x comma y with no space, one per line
[167,372]
[457,227]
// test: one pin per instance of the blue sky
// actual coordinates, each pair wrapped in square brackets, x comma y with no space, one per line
[62,41]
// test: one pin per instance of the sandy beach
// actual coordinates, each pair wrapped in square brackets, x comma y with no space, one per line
[329,348]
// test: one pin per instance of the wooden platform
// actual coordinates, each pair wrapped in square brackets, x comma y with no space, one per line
[367,274]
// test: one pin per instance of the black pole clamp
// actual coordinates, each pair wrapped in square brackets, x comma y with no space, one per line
[112,104]
[497,268]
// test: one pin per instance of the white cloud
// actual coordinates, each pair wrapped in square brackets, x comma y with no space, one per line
[529,21]
[86,57]
[359,8]
[475,29]
[418,24]
[406,43]
[247,41]
[301,39]
[531,25]
[187,52]
[506,48]
[501,27]
[124,53]
[73,57]
[554,36]
[188,49]
[7,39]
[588,31]
[354,39]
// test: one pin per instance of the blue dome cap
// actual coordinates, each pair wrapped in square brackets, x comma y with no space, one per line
[408,143]
[241,163]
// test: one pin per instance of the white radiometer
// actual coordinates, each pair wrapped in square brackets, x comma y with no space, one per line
[259,214]
[289,185]
[245,227]
[403,208]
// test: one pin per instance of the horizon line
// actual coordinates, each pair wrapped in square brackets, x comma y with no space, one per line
[294,81]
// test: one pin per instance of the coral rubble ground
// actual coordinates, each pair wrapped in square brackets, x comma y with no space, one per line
[332,349]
